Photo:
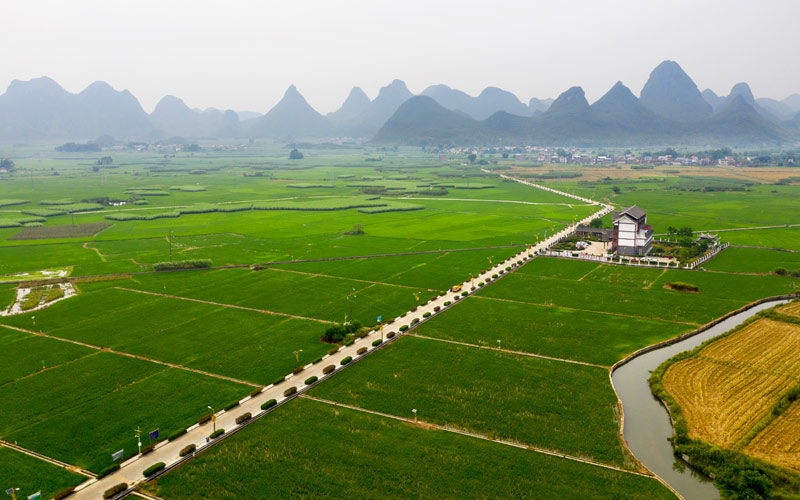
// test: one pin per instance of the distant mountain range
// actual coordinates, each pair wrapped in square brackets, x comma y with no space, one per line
[669,109]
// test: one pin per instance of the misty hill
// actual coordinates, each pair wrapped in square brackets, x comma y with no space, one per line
[356,103]
[291,117]
[539,105]
[421,120]
[618,118]
[738,122]
[671,93]
[779,109]
[716,102]
[490,101]
[367,123]
[793,101]
[622,110]
[794,123]
[40,109]
[172,117]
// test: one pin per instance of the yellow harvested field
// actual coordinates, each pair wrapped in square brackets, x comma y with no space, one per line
[779,443]
[734,382]
[792,309]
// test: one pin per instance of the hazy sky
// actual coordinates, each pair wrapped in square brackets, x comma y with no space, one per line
[243,54]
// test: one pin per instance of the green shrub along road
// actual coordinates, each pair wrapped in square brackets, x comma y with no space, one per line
[337,450]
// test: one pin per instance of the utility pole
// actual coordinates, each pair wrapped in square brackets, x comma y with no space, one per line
[138,439]
[351,298]
[170,244]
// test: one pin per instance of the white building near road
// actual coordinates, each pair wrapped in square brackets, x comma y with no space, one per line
[632,234]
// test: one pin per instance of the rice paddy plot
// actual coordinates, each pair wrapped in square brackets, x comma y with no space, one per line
[779,443]
[753,260]
[734,382]
[369,456]
[310,296]
[719,293]
[437,271]
[33,354]
[584,336]
[31,475]
[83,411]
[548,404]
[246,345]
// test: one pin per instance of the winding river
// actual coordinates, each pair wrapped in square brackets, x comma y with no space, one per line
[647,423]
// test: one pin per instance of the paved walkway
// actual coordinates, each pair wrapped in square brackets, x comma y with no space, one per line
[168,451]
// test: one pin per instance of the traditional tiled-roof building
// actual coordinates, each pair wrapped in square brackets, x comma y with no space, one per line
[632,234]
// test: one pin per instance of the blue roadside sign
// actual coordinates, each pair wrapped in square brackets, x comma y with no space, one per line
[154,435]
[116,456]
[379,318]
[9,491]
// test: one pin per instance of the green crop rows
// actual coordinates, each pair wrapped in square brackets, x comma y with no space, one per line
[337,450]
[31,474]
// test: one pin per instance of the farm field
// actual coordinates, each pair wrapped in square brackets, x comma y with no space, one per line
[732,198]
[31,474]
[329,452]
[753,260]
[548,404]
[792,309]
[640,292]
[734,382]
[97,400]
[779,443]
[503,214]
[591,337]
[247,345]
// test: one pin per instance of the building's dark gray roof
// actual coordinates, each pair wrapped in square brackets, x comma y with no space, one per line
[594,230]
[633,211]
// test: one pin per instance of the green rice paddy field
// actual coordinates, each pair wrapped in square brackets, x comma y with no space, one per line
[81,411]
[753,260]
[79,404]
[31,474]
[345,452]
[544,403]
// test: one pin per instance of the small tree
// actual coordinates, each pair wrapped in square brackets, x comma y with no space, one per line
[472,157]
[596,223]
[7,164]
[615,189]
[685,231]
[295,155]
[106,160]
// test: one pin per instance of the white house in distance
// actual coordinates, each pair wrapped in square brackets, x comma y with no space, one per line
[632,234]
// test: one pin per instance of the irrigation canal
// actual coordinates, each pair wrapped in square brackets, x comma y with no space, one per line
[647,423]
